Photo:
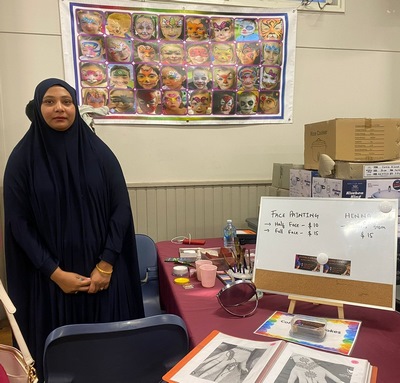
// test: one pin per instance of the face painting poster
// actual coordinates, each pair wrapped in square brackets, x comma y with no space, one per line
[152,62]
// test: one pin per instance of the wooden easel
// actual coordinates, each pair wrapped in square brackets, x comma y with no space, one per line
[317,301]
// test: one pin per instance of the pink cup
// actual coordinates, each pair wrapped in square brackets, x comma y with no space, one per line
[208,274]
[198,264]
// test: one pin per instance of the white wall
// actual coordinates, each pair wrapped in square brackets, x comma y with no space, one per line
[346,66]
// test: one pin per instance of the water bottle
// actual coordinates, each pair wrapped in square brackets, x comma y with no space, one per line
[229,234]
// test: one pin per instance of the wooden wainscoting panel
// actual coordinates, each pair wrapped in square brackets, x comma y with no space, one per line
[167,211]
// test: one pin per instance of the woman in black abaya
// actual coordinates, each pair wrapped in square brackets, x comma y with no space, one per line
[69,234]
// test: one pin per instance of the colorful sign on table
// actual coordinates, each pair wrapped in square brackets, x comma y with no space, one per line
[340,333]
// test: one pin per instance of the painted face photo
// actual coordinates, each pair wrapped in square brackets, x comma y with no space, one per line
[247,77]
[272,53]
[198,54]
[248,53]
[91,48]
[171,27]
[93,74]
[224,103]
[148,101]
[121,77]
[223,54]
[121,101]
[222,29]
[201,78]
[173,77]
[119,24]
[90,22]
[147,76]
[246,30]
[145,27]
[200,102]
[95,97]
[119,50]
[270,77]
[196,29]
[172,54]
[269,102]
[271,29]
[146,52]
[224,77]
[247,102]
[173,102]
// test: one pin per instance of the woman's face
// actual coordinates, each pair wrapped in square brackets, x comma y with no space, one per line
[58,109]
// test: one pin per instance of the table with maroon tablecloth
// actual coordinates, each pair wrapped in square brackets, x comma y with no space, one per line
[378,339]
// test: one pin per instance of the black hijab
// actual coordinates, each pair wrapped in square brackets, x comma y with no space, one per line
[66,205]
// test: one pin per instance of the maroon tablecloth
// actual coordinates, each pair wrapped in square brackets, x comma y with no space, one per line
[378,339]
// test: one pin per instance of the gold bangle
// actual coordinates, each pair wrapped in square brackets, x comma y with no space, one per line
[103,271]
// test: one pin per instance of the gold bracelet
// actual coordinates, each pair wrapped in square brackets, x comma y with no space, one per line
[103,271]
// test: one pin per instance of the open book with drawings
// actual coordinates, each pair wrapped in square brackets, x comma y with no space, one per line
[224,358]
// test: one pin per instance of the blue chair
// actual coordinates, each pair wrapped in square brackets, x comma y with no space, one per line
[147,256]
[139,351]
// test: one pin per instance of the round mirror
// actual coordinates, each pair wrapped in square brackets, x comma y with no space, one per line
[239,298]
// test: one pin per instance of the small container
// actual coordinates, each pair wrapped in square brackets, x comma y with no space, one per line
[307,327]
[180,271]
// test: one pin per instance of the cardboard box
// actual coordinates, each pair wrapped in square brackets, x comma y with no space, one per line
[301,182]
[351,139]
[335,188]
[367,170]
[281,174]
[383,188]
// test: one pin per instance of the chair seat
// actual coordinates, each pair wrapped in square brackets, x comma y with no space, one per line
[139,351]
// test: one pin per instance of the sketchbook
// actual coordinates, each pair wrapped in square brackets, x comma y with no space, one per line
[225,358]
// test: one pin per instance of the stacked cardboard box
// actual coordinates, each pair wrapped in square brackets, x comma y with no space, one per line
[281,179]
[363,150]
[351,139]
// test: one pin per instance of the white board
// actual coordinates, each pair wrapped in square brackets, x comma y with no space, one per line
[311,246]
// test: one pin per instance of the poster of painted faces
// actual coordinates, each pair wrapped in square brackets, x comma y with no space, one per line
[188,66]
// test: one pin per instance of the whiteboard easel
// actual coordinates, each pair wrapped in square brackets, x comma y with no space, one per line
[331,250]
[294,298]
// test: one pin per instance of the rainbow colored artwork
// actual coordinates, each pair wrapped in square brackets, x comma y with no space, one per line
[340,336]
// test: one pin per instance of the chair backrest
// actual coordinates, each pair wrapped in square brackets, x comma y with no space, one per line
[139,351]
[147,257]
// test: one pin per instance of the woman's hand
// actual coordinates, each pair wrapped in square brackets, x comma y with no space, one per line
[70,283]
[100,277]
